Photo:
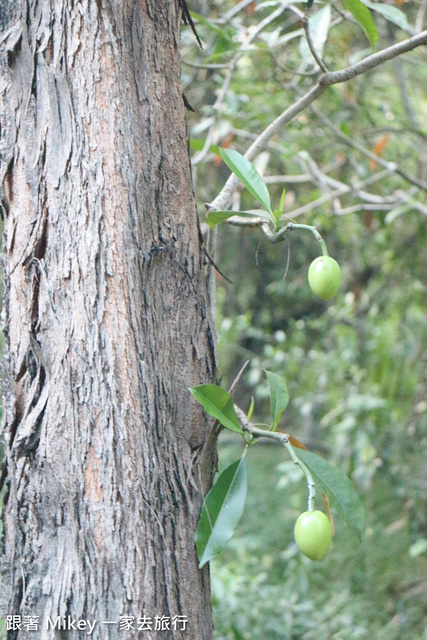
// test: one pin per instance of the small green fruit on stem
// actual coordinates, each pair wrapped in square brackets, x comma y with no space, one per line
[324,276]
[313,534]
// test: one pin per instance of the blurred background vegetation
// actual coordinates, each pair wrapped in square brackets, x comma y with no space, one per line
[355,367]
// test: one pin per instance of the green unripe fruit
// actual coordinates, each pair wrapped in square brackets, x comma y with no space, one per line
[313,534]
[324,277]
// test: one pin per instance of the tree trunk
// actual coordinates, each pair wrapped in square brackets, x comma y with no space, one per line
[106,325]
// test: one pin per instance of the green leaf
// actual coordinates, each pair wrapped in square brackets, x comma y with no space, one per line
[216,217]
[392,14]
[221,511]
[210,25]
[279,396]
[247,173]
[363,16]
[282,201]
[197,144]
[339,489]
[250,411]
[397,211]
[218,403]
[278,213]
[419,547]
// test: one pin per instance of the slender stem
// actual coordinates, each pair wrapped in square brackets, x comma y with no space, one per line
[313,230]
[283,438]
[310,482]
[306,25]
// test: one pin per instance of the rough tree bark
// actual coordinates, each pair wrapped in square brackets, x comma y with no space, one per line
[105,320]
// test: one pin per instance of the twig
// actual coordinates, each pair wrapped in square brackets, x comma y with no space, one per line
[306,25]
[237,378]
[200,65]
[393,167]
[228,77]
[401,82]
[186,16]
[283,439]
[420,16]
[222,200]
[233,12]
[233,386]
[215,266]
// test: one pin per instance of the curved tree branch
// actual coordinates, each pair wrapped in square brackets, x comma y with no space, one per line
[223,199]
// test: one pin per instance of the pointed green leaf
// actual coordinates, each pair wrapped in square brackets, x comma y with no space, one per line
[221,511]
[197,144]
[279,396]
[282,201]
[216,217]
[247,173]
[393,14]
[277,215]
[339,489]
[363,16]
[218,403]
[251,408]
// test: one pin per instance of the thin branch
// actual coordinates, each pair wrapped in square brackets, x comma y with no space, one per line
[306,25]
[200,65]
[283,439]
[251,37]
[401,82]
[393,167]
[216,425]
[235,10]
[420,16]
[416,205]
[222,200]
[215,266]
[374,60]
[372,202]
[237,378]
[229,75]
[187,19]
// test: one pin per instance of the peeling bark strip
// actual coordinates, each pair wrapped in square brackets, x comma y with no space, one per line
[105,322]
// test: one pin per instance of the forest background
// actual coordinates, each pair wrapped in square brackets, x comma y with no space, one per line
[355,165]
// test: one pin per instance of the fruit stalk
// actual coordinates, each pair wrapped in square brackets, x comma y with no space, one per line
[290,226]
[283,438]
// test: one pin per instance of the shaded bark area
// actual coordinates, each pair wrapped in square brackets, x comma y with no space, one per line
[105,318]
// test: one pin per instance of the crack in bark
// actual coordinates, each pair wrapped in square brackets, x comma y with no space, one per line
[102,241]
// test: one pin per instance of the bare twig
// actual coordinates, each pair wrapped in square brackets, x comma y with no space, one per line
[217,269]
[420,16]
[235,10]
[306,25]
[200,65]
[186,16]
[393,167]
[252,35]
[237,378]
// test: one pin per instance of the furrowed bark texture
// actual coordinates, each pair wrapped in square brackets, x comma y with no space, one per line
[105,322]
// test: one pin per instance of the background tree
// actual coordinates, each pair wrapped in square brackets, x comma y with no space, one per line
[105,319]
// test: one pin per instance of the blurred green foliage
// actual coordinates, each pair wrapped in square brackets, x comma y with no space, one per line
[356,368]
